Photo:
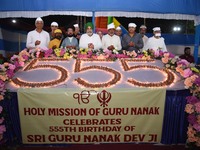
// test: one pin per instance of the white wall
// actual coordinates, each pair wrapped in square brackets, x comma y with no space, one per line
[179,49]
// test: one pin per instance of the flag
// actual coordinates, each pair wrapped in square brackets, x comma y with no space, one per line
[117,24]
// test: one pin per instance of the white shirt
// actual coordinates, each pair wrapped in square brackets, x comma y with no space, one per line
[70,39]
[33,36]
[156,44]
[114,40]
[145,39]
[94,39]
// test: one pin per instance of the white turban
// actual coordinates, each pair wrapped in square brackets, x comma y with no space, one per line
[38,19]
[156,29]
[54,24]
[143,27]
[75,25]
[132,25]
[118,28]
[111,26]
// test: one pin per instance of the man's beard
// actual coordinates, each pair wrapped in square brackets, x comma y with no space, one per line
[58,37]
[70,35]
[89,33]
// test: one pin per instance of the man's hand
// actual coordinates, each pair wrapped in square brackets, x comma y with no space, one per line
[90,45]
[78,36]
[111,47]
[131,44]
[71,47]
[37,42]
[54,47]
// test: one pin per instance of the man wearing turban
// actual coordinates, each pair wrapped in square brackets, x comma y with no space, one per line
[55,43]
[132,41]
[111,41]
[38,38]
[77,33]
[156,42]
[90,39]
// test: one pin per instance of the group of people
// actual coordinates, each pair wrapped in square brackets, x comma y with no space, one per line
[114,39]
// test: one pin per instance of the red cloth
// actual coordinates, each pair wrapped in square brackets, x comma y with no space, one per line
[189,58]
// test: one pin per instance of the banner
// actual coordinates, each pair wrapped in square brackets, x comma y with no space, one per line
[91,116]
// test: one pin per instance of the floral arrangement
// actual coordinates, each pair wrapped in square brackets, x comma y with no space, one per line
[191,76]
[2,126]
[170,61]
[65,53]
[193,109]
[150,54]
[6,73]
[155,54]
[100,54]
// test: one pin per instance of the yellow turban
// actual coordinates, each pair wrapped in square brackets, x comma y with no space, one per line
[57,31]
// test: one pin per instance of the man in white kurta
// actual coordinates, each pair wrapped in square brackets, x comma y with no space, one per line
[111,41]
[156,42]
[143,30]
[38,38]
[118,32]
[90,39]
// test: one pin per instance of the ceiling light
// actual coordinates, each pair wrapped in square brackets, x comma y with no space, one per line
[176,29]
[14,21]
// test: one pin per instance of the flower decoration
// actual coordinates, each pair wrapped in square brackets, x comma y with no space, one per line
[157,54]
[132,54]
[66,53]
[84,50]
[192,82]
[170,61]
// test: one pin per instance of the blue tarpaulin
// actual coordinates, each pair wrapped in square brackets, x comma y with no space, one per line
[154,6]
